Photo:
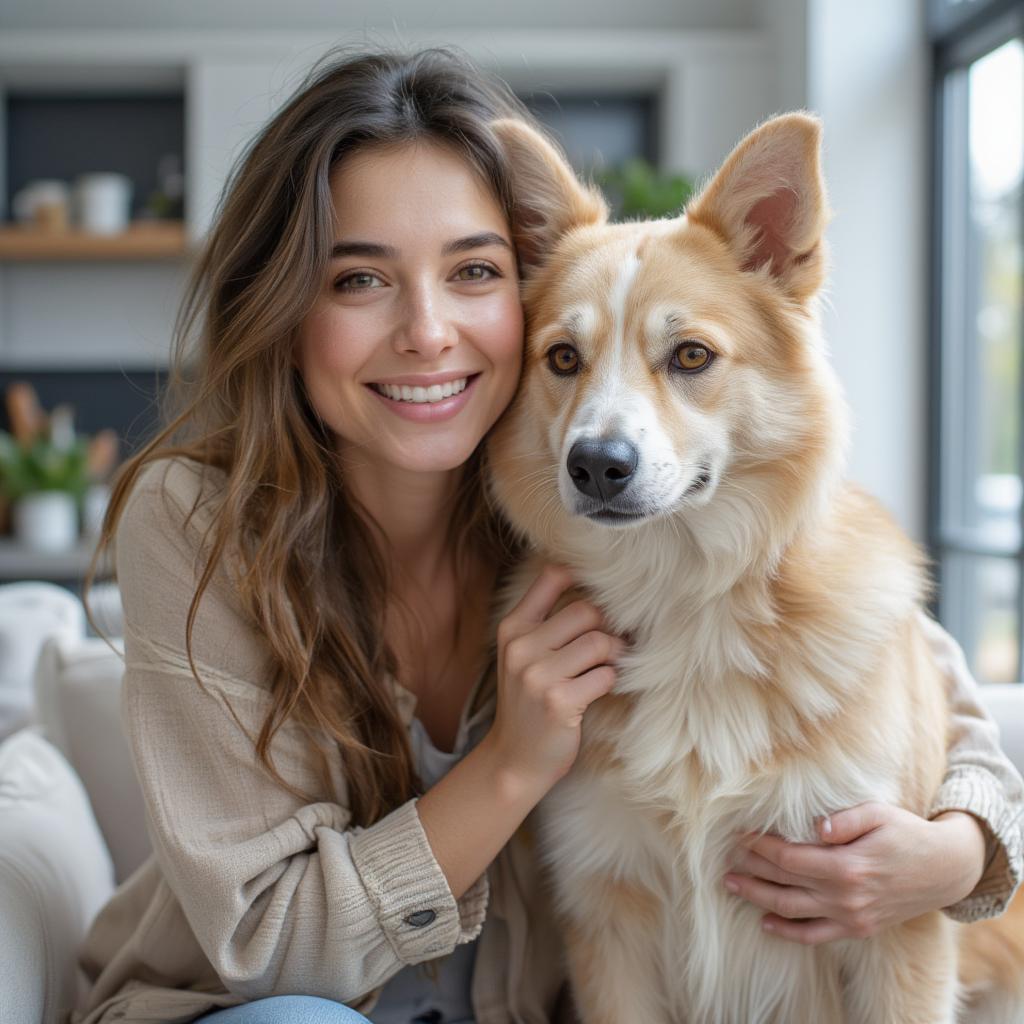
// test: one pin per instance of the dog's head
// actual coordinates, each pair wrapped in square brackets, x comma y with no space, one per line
[673,370]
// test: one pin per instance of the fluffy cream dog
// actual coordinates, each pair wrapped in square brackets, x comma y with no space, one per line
[678,441]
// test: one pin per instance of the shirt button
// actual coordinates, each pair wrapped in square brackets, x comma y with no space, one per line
[421,918]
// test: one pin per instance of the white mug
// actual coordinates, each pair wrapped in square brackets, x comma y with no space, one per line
[103,203]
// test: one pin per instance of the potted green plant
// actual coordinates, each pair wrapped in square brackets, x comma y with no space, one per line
[636,189]
[44,478]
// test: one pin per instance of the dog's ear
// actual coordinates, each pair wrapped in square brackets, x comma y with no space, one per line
[549,199]
[768,203]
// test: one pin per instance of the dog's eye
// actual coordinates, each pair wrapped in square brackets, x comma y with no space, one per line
[563,359]
[691,357]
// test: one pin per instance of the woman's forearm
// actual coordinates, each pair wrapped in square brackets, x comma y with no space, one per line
[471,813]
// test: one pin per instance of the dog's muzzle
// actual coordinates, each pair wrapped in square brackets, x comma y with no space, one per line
[602,468]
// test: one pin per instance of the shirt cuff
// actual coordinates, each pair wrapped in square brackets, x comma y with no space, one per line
[972,790]
[415,906]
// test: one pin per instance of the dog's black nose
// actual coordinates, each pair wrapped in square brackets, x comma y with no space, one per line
[602,468]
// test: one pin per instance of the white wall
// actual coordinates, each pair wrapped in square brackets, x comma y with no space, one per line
[867,76]
[863,67]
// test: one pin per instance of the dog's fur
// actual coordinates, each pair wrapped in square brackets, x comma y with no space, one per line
[778,671]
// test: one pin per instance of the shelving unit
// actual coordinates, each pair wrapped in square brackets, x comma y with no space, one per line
[144,240]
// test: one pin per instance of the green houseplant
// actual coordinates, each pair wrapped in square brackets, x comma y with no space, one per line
[44,476]
[42,466]
[636,189]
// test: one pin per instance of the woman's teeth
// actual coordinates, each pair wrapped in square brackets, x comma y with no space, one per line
[435,393]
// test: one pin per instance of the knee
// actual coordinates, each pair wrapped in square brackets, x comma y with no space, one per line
[294,1010]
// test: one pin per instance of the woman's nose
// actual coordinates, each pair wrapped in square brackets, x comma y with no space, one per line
[427,328]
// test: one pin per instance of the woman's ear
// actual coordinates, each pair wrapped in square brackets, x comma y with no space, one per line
[550,199]
[768,203]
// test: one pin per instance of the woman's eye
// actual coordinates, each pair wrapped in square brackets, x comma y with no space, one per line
[691,357]
[476,272]
[357,282]
[563,359]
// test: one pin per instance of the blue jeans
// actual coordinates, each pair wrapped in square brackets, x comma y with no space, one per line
[286,1010]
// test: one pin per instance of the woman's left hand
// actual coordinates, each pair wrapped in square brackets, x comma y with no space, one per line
[877,866]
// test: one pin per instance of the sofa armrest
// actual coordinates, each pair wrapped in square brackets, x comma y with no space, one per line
[1005,703]
[55,874]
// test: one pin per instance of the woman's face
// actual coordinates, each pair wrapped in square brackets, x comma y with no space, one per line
[414,345]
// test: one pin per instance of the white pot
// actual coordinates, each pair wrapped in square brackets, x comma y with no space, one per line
[46,521]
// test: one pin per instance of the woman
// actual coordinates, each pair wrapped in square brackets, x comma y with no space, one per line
[337,771]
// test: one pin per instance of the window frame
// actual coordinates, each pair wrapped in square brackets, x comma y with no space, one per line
[960,35]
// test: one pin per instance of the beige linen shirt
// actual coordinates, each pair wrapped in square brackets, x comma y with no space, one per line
[251,892]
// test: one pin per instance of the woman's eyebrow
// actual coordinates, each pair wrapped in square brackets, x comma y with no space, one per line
[477,241]
[374,250]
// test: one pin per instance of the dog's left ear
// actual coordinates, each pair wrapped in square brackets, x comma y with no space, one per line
[768,203]
[549,199]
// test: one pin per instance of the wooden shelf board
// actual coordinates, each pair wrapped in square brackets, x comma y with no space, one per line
[145,240]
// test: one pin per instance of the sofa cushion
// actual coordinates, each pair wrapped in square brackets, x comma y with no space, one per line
[1005,703]
[55,873]
[78,699]
[29,614]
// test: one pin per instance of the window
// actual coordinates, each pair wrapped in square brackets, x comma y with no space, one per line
[978,299]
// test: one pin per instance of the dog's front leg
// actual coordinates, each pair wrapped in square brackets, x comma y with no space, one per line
[904,975]
[613,940]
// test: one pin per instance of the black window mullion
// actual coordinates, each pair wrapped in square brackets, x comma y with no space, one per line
[961,36]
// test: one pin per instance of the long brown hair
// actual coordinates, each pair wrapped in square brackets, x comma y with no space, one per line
[316,572]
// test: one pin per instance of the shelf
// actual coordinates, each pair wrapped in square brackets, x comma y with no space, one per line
[21,563]
[144,240]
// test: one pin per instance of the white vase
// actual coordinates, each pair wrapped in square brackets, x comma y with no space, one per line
[46,521]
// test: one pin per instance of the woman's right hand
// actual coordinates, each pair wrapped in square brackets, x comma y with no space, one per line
[549,671]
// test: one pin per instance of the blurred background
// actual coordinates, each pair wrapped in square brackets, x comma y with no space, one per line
[119,122]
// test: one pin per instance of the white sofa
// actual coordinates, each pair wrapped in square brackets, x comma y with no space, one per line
[72,822]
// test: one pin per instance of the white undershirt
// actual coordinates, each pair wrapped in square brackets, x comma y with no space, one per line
[411,997]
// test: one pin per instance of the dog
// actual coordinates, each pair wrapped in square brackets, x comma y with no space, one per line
[678,441]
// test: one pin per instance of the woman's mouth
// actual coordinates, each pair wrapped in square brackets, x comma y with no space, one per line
[427,404]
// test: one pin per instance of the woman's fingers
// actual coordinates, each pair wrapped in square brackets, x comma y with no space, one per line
[804,860]
[588,687]
[568,624]
[587,651]
[787,901]
[808,933]
[535,605]
[748,862]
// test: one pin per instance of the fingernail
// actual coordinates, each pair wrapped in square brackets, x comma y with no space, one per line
[768,926]
[826,826]
[731,885]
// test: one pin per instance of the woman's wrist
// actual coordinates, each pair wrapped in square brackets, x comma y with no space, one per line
[965,845]
[515,787]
